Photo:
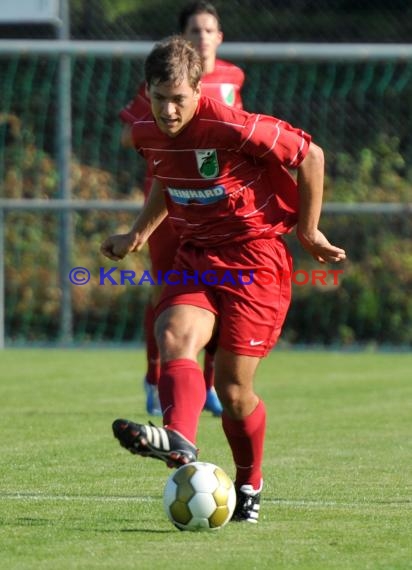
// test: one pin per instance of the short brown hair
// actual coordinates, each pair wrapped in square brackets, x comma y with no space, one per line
[194,8]
[172,61]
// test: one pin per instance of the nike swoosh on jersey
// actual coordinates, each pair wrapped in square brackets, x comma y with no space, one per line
[254,342]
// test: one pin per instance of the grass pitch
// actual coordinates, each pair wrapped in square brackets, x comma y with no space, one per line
[337,467]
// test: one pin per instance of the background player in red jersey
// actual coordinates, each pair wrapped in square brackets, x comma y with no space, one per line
[221,175]
[198,23]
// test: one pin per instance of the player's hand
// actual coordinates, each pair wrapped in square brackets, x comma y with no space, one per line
[116,247]
[320,249]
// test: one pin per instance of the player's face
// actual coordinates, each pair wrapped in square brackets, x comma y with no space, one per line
[203,31]
[173,106]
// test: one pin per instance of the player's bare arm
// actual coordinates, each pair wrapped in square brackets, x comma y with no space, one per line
[154,211]
[310,184]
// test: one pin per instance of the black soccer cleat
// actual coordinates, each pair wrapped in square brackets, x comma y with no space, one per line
[247,505]
[150,441]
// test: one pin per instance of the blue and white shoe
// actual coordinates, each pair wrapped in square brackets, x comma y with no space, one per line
[153,407]
[212,403]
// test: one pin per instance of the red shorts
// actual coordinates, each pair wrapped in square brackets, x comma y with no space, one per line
[225,281]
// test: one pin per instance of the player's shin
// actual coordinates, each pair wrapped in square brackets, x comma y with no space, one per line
[182,395]
[246,439]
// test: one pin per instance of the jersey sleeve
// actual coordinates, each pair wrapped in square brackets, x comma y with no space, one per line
[268,138]
[136,107]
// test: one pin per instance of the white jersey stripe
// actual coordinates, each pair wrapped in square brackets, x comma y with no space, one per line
[252,130]
[275,140]
[292,162]
[239,126]
[270,198]
[243,232]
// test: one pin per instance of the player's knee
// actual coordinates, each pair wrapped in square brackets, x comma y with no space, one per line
[177,341]
[167,338]
[236,399]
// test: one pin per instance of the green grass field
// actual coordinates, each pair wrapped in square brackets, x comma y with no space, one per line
[338,467]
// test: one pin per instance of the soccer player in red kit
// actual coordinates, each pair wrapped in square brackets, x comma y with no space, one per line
[221,175]
[198,23]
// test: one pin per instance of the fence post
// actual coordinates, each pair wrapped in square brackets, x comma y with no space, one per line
[64,144]
[2,281]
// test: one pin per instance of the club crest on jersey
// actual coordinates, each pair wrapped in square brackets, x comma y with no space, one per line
[207,163]
[228,93]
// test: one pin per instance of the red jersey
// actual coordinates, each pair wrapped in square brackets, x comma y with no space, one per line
[225,173]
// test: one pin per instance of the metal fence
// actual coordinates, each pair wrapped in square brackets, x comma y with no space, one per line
[313,63]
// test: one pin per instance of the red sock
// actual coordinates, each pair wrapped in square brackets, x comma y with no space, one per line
[246,438]
[182,396]
[209,370]
[152,351]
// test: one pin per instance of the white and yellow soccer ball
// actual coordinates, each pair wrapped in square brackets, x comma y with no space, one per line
[199,496]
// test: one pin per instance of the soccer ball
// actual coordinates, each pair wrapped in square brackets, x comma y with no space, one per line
[199,496]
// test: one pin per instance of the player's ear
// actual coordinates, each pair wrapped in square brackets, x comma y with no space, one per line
[198,90]
[219,37]
[146,90]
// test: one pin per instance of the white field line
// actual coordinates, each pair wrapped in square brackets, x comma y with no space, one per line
[150,499]
[80,498]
